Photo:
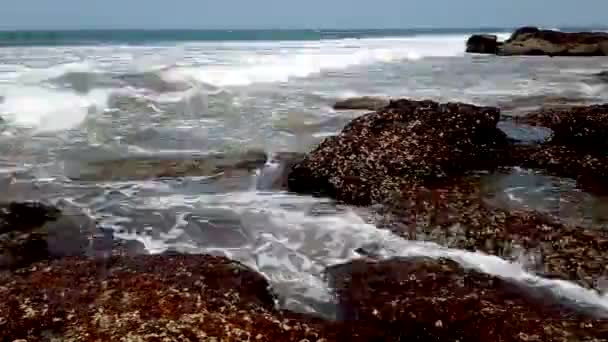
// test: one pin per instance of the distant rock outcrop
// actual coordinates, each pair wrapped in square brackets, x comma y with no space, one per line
[534,41]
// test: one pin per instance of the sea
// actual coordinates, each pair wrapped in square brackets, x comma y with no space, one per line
[74,100]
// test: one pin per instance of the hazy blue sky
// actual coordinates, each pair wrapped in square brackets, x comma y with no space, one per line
[40,14]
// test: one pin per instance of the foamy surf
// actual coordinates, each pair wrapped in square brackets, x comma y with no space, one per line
[273,62]
[47,110]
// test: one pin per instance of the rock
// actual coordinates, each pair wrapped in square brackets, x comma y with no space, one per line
[458,216]
[520,32]
[408,142]
[362,103]
[437,300]
[532,41]
[141,298]
[31,232]
[583,127]
[201,297]
[602,76]
[482,43]
[586,165]
[141,168]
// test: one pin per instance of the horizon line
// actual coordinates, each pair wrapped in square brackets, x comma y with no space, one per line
[415,28]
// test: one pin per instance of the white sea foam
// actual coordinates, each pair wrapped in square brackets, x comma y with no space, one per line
[275,62]
[48,110]
[293,248]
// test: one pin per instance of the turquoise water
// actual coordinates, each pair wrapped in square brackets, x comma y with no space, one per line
[87,37]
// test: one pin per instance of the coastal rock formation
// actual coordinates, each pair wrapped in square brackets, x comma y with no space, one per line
[582,127]
[483,43]
[407,142]
[438,300]
[534,41]
[458,217]
[198,297]
[577,148]
[362,103]
[143,298]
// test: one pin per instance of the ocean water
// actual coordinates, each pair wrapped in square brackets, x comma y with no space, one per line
[70,100]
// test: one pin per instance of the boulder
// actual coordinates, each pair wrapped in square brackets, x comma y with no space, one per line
[362,103]
[420,298]
[532,41]
[407,142]
[483,43]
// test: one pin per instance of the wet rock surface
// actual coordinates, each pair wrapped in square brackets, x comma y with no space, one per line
[31,232]
[534,41]
[459,217]
[145,298]
[407,142]
[438,300]
[362,103]
[576,149]
[583,127]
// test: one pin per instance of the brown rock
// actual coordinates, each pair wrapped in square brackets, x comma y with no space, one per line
[173,298]
[583,127]
[437,300]
[362,103]
[532,41]
[483,43]
[408,142]
[458,217]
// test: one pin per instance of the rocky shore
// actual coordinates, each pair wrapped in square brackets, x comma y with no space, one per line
[417,162]
[534,41]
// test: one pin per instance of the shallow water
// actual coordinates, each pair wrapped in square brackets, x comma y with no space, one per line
[67,107]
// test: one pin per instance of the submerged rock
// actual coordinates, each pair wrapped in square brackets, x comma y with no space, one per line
[602,76]
[534,41]
[30,232]
[362,103]
[482,43]
[141,168]
[407,142]
[438,300]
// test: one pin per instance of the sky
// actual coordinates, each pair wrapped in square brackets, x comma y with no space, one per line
[222,14]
